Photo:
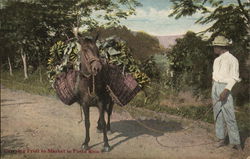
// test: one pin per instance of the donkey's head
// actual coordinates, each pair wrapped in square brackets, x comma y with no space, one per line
[89,55]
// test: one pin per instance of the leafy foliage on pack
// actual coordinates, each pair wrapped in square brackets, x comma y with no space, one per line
[63,56]
[117,52]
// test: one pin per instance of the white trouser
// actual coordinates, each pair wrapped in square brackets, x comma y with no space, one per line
[226,115]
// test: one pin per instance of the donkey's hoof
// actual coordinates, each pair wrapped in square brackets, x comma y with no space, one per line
[98,130]
[85,147]
[106,149]
[109,132]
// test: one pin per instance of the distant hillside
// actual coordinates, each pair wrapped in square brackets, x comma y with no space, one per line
[168,41]
[141,44]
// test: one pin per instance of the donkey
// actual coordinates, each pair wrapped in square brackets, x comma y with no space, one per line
[92,89]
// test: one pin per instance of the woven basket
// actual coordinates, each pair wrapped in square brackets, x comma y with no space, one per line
[122,87]
[65,86]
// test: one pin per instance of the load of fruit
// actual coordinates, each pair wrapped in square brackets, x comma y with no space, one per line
[64,56]
[117,52]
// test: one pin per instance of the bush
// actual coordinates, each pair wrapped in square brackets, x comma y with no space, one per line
[191,60]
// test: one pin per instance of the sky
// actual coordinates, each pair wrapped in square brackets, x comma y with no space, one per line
[153,18]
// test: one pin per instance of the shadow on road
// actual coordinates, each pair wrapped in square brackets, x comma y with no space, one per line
[132,129]
[10,144]
[3,102]
[6,100]
[244,135]
[15,104]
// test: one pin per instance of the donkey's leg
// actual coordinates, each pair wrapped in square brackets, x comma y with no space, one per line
[109,111]
[85,145]
[106,147]
[99,128]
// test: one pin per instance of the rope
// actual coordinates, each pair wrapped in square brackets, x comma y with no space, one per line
[113,96]
[185,146]
[93,85]
[92,94]
[158,131]
[144,125]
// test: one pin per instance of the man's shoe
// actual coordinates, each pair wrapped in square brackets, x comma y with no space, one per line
[237,147]
[221,143]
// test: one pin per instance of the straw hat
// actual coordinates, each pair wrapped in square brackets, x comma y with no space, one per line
[220,41]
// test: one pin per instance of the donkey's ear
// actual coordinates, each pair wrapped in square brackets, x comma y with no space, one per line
[97,36]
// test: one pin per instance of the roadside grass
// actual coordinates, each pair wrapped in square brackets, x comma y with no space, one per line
[33,85]
[203,113]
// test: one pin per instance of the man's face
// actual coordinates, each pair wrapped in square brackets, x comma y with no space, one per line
[217,50]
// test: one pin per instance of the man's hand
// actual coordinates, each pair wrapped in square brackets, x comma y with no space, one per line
[224,95]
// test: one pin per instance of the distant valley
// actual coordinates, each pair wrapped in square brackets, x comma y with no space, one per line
[168,41]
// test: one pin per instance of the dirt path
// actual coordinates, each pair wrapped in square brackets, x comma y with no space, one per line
[34,126]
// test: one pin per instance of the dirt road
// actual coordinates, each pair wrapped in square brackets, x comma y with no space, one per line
[34,126]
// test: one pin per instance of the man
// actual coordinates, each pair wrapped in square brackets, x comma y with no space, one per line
[225,75]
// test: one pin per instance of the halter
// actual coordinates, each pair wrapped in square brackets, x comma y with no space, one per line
[88,60]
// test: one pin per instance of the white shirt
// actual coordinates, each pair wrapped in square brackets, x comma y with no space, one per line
[226,70]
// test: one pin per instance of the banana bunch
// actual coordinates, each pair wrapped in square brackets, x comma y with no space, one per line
[63,56]
[117,52]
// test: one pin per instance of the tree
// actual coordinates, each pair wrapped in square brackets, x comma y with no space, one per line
[33,26]
[230,19]
[191,61]
[20,27]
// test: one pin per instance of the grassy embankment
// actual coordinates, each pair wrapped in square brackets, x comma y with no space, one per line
[33,85]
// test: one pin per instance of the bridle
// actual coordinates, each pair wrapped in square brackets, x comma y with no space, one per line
[88,61]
